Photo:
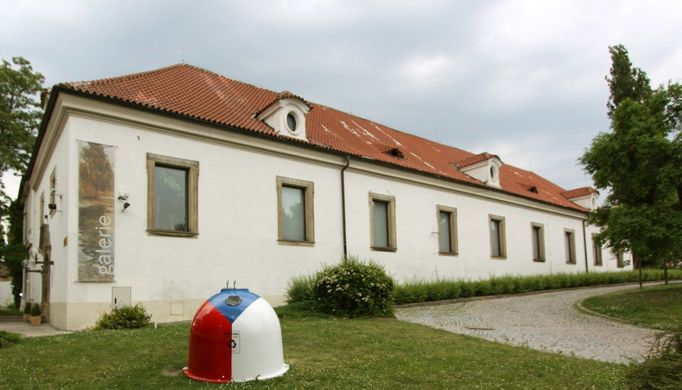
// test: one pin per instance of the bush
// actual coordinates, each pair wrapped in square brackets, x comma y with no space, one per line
[35,310]
[424,291]
[300,289]
[7,339]
[126,317]
[353,288]
[663,368]
[27,308]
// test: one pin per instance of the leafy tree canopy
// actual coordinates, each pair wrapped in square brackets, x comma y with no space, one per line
[20,114]
[639,162]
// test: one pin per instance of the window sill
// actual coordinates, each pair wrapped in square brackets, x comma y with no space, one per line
[498,257]
[171,233]
[571,262]
[383,249]
[296,243]
[452,254]
[538,260]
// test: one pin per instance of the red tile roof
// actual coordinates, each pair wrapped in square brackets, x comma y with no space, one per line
[192,92]
[476,158]
[578,192]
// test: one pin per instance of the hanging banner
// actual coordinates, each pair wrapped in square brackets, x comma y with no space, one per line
[96,205]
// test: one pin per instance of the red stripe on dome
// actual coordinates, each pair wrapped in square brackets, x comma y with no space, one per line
[210,346]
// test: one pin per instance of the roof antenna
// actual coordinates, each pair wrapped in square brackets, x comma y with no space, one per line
[182,52]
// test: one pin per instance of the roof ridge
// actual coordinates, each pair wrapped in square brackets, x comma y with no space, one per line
[130,76]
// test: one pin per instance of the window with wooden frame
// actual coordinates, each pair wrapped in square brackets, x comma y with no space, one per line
[172,196]
[537,232]
[447,230]
[620,262]
[569,242]
[53,192]
[382,222]
[498,239]
[295,211]
[596,251]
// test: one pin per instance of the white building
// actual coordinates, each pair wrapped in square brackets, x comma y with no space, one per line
[160,187]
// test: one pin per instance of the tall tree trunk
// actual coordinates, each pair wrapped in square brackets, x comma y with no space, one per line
[665,272]
[639,266]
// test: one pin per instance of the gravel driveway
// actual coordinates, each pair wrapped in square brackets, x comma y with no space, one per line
[545,321]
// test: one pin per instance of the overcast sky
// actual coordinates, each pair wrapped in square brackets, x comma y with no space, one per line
[521,79]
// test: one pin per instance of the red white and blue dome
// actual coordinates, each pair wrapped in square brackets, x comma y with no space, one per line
[235,337]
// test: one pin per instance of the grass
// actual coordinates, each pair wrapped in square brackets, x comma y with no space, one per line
[657,307]
[323,352]
[8,339]
[10,311]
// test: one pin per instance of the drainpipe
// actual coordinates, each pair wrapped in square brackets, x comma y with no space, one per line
[585,247]
[343,207]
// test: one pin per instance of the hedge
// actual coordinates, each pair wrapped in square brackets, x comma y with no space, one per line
[444,289]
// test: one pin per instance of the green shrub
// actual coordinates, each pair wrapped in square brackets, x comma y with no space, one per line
[443,289]
[7,339]
[35,310]
[300,289]
[353,288]
[126,317]
[663,368]
[27,308]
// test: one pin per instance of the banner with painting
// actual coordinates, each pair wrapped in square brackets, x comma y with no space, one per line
[96,206]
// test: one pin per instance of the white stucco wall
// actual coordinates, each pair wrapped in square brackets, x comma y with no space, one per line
[237,220]
[6,298]
[417,239]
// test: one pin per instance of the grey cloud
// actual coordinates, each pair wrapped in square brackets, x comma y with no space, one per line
[524,77]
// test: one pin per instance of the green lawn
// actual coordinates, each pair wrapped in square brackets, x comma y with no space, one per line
[323,353]
[10,311]
[658,307]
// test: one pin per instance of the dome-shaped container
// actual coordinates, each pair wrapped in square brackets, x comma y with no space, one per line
[235,337]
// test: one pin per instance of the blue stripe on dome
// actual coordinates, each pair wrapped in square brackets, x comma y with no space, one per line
[219,301]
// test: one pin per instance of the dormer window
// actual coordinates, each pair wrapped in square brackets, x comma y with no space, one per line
[286,115]
[484,167]
[395,152]
[586,197]
[291,121]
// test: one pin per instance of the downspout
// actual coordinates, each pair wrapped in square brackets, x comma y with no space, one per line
[585,247]
[343,207]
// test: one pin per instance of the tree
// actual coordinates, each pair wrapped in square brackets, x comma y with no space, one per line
[14,252]
[638,162]
[20,114]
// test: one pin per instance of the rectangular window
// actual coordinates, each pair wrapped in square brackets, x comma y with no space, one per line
[569,239]
[596,250]
[382,222]
[538,241]
[447,230]
[620,263]
[172,196]
[498,240]
[295,222]
[53,192]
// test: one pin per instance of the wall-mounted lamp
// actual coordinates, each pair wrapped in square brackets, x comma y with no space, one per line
[123,197]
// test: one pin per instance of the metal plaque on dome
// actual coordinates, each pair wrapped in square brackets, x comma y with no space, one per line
[233,300]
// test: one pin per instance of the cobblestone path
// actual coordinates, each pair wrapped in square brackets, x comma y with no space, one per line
[545,321]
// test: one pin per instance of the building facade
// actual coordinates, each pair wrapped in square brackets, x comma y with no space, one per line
[162,187]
